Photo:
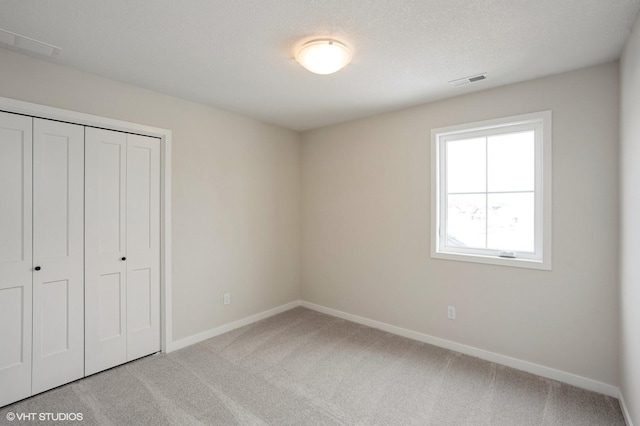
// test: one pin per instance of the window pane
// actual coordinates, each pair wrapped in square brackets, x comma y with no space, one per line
[466,216]
[511,222]
[466,165]
[511,162]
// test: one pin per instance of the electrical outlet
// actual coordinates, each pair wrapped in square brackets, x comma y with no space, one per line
[227,298]
[451,312]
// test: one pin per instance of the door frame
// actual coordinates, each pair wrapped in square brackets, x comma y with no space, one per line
[51,113]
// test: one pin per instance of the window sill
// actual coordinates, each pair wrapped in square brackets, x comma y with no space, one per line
[494,260]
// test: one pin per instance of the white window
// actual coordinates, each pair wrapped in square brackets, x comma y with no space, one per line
[491,191]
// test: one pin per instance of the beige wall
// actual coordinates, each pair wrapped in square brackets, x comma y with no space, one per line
[366,217]
[236,191]
[630,224]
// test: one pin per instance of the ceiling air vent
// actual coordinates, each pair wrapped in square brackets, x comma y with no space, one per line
[467,80]
[26,44]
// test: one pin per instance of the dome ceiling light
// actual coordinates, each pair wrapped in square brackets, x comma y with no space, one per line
[323,56]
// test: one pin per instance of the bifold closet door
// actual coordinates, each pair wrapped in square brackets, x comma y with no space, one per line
[58,254]
[15,257]
[122,296]
[105,247]
[143,246]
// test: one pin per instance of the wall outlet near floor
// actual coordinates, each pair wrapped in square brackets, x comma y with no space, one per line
[227,298]
[451,312]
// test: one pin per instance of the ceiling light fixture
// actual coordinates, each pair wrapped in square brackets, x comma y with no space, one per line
[323,56]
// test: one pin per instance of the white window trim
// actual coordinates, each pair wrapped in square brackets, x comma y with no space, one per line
[542,119]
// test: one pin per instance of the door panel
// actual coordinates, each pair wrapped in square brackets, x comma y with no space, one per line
[139,194]
[105,231]
[13,164]
[55,318]
[139,295]
[12,308]
[143,246]
[15,256]
[58,248]
[110,195]
[110,307]
[52,189]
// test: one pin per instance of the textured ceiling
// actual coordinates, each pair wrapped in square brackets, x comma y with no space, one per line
[237,54]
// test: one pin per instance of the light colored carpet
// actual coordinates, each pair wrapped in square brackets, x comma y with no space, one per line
[306,368]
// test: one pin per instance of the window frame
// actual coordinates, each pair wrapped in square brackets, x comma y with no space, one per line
[541,124]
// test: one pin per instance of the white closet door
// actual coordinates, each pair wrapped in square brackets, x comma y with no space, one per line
[58,250]
[143,246]
[105,245]
[15,257]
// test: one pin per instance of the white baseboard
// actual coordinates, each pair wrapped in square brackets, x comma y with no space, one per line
[197,338]
[625,411]
[539,370]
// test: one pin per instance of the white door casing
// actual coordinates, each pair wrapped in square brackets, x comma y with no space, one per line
[58,250]
[15,257]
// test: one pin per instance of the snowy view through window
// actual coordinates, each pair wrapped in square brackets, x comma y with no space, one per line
[490,192]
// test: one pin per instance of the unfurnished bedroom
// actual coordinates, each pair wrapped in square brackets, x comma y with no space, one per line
[418,212]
